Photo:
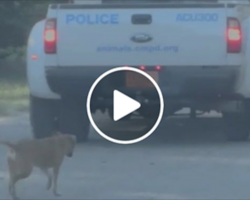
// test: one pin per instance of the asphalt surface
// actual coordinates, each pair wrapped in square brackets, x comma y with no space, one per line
[183,159]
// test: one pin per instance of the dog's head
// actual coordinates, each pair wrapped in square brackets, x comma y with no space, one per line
[71,142]
[67,142]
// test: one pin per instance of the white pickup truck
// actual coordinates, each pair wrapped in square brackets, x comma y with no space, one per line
[202,48]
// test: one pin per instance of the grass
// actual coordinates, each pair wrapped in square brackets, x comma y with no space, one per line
[14,95]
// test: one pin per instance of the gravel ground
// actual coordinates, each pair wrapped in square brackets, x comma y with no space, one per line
[183,159]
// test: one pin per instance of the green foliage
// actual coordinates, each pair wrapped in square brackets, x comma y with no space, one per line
[17,19]
[13,53]
[14,96]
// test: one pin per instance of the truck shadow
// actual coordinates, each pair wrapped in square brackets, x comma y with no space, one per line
[180,130]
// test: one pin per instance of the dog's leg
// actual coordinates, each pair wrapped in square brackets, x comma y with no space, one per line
[18,170]
[55,178]
[13,182]
[12,179]
[11,188]
[48,175]
[15,179]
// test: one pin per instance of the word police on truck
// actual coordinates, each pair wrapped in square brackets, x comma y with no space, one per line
[203,50]
[92,19]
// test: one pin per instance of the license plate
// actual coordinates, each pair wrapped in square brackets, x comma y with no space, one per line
[136,80]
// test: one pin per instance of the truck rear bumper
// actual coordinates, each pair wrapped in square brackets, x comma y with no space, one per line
[175,81]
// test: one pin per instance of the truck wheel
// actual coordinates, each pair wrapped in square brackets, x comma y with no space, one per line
[73,118]
[83,136]
[237,126]
[42,117]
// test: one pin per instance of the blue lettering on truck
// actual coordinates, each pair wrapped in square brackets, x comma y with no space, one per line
[197,17]
[89,19]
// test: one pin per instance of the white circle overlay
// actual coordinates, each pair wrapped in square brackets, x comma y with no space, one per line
[117,69]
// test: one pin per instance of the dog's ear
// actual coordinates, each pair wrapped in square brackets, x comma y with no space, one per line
[74,138]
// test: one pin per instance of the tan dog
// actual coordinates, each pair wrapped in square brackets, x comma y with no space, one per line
[42,153]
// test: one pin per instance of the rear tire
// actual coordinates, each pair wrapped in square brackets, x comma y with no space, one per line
[73,118]
[42,117]
[237,126]
[67,116]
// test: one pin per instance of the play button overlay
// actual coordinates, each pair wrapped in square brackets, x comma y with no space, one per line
[125,104]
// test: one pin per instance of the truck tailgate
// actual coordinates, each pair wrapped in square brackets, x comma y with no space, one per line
[163,35]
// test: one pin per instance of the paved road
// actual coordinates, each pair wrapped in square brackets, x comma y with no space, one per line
[183,159]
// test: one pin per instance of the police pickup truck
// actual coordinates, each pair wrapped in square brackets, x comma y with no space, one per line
[201,50]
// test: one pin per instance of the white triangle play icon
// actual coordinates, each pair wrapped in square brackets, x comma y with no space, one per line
[123,105]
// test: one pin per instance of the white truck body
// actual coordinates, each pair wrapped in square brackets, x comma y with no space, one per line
[203,48]
[176,41]
[188,36]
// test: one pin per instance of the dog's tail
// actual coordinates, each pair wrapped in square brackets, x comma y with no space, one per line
[8,144]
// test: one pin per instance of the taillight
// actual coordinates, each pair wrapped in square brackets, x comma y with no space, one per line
[158,68]
[234,36]
[142,67]
[50,36]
